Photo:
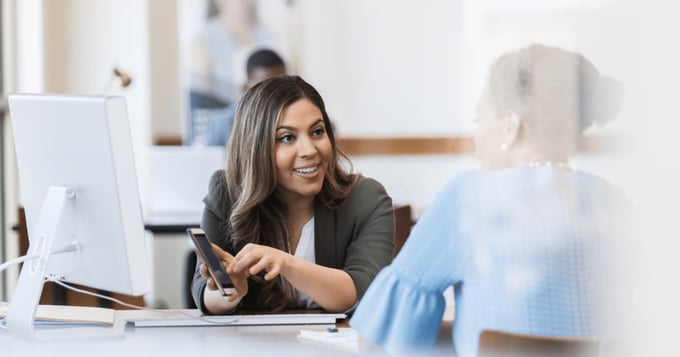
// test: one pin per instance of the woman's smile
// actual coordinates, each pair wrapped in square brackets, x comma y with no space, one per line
[302,150]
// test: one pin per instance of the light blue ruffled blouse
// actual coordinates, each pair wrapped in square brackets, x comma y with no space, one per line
[523,249]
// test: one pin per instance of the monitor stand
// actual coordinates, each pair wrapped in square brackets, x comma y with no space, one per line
[22,308]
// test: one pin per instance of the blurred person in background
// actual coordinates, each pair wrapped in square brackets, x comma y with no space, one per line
[216,57]
[261,64]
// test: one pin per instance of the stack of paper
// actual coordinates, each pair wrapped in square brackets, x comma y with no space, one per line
[77,315]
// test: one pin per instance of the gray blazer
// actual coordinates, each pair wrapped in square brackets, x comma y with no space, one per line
[357,236]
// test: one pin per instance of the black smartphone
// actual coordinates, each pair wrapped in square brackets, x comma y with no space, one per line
[208,256]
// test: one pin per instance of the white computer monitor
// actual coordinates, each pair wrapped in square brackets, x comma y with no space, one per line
[78,184]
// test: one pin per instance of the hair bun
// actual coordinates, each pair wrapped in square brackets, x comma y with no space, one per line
[601,101]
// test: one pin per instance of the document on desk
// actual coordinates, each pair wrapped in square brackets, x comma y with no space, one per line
[239,320]
[70,315]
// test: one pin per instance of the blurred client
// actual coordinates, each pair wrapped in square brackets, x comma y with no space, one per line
[525,240]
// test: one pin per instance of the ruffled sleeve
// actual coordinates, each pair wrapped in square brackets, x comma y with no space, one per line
[403,308]
[399,316]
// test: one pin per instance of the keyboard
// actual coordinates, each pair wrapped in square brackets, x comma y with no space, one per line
[238,320]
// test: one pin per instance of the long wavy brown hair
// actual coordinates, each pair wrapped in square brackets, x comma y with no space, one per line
[257,214]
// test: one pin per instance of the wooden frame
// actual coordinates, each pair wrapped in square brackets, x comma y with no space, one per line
[437,145]
[406,145]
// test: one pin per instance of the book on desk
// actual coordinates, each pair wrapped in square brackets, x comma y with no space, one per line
[70,315]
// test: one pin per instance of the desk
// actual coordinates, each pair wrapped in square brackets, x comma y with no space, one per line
[172,341]
[188,341]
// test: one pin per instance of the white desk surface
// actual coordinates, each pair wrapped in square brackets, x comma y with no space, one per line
[210,341]
[126,340]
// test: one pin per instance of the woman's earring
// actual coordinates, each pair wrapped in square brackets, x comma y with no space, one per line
[505,147]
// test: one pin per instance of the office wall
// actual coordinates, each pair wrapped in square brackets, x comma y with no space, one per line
[85,40]
[656,168]
[385,68]
[21,41]
[414,68]
[166,100]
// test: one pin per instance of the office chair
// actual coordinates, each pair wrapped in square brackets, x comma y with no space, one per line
[402,226]
[499,343]
[189,269]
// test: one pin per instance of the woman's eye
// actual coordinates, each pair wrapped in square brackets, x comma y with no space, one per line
[286,138]
[319,132]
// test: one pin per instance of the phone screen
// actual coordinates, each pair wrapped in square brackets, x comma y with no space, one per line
[208,256]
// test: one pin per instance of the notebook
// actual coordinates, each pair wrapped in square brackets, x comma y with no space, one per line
[69,315]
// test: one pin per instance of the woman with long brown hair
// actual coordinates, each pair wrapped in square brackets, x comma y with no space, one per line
[293,226]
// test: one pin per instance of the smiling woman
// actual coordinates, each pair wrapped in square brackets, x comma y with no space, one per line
[302,152]
[293,226]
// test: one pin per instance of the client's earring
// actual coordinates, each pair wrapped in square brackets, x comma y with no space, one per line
[505,147]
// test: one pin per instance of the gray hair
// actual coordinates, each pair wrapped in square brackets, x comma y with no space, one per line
[553,89]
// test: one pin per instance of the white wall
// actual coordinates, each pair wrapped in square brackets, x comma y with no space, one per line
[385,68]
[84,40]
[166,101]
[656,167]
[23,71]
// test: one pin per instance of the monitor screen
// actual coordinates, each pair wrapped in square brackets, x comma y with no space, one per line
[78,184]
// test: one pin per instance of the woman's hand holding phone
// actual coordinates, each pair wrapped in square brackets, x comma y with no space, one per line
[240,280]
